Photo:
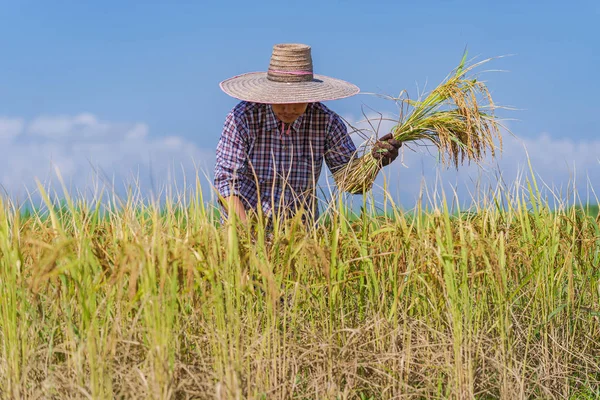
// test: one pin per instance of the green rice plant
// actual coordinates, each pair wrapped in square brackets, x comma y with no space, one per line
[15,310]
[457,117]
[497,298]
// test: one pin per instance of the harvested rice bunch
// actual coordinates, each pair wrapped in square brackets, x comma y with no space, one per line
[457,117]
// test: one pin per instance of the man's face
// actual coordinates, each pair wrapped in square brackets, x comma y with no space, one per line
[288,113]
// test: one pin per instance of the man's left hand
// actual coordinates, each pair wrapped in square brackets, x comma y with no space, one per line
[386,149]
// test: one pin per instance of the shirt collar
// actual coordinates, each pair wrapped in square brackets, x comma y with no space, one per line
[272,123]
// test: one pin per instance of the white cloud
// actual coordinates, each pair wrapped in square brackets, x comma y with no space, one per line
[10,128]
[81,127]
[138,131]
[80,146]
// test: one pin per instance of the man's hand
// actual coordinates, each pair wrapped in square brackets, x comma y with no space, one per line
[234,206]
[386,149]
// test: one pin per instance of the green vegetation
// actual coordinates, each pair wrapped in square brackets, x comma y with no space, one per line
[149,302]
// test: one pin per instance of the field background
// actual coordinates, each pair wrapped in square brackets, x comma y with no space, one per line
[131,300]
[111,294]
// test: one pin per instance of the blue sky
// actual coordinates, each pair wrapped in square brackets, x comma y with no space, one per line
[75,77]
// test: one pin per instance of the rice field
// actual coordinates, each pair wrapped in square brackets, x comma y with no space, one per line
[127,299]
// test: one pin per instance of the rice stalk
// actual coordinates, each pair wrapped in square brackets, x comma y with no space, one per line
[457,117]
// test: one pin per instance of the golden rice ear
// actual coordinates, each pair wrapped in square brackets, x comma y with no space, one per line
[454,117]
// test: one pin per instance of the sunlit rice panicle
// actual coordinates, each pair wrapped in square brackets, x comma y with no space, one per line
[457,117]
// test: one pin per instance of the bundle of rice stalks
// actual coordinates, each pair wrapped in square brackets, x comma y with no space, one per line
[457,117]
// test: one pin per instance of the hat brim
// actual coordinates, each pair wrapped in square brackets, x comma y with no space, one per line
[255,87]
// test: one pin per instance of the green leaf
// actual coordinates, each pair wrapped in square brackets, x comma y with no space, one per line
[462,63]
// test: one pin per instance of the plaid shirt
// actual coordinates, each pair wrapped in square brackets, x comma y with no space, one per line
[261,164]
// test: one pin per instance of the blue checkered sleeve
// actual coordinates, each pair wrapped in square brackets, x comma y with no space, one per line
[339,146]
[232,157]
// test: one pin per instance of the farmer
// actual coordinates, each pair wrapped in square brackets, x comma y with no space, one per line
[274,142]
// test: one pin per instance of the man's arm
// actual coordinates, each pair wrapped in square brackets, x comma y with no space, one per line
[341,152]
[230,160]
[339,148]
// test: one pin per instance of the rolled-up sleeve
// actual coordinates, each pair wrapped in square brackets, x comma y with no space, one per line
[339,147]
[231,156]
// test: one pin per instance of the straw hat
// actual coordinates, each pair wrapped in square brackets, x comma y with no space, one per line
[290,79]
